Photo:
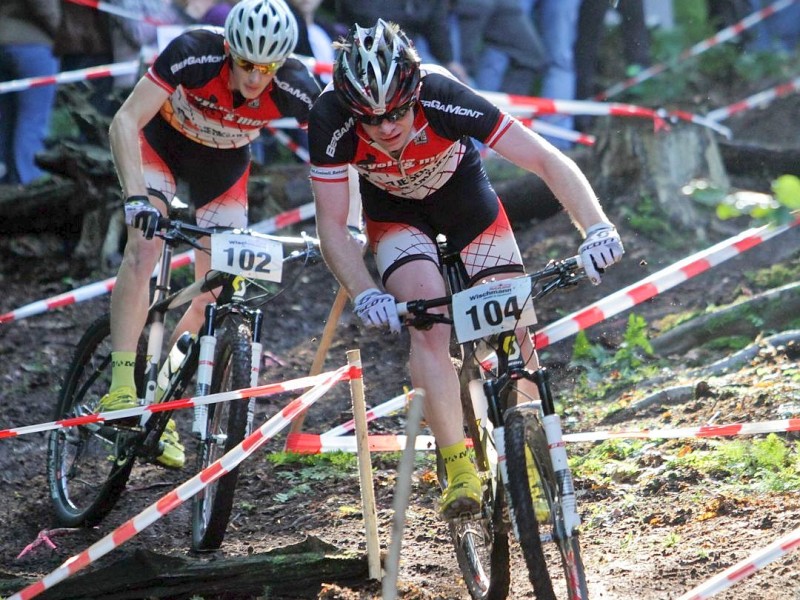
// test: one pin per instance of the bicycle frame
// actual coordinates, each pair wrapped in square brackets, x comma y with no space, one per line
[490,401]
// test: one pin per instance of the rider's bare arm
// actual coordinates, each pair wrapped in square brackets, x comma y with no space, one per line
[530,151]
[342,253]
[141,106]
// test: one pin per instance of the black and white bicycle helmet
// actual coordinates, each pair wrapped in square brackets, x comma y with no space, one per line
[376,69]
[261,31]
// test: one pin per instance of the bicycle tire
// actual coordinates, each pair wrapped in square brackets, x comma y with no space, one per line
[481,545]
[531,475]
[212,506]
[88,466]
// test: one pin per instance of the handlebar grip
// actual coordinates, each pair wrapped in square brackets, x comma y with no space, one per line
[402,309]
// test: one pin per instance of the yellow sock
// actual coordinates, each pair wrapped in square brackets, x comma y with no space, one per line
[456,460]
[122,364]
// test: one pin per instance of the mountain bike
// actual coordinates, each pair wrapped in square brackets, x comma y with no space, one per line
[88,466]
[517,441]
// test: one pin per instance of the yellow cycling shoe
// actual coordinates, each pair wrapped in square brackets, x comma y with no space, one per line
[462,496]
[120,399]
[173,455]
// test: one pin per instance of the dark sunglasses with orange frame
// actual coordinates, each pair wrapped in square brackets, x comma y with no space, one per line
[247,66]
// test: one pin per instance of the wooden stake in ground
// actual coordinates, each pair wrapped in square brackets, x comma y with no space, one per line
[365,467]
[322,350]
[402,492]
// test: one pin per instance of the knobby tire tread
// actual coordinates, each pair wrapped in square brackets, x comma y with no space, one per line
[521,431]
[498,567]
[233,358]
[109,492]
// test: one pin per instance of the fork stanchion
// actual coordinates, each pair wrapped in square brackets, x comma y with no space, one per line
[402,492]
[364,465]
[322,351]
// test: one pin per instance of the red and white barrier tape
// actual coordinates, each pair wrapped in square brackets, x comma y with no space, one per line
[757,560]
[656,284]
[185,491]
[721,36]
[524,106]
[309,443]
[179,404]
[545,128]
[94,290]
[118,11]
[755,101]
[381,410]
[112,70]
[283,138]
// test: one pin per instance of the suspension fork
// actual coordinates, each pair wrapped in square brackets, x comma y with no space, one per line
[256,318]
[558,452]
[205,369]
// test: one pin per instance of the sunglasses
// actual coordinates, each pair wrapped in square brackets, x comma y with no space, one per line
[248,67]
[392,116]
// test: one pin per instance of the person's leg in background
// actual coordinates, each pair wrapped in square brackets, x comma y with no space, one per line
[30,110]
[557,23]
[591,27]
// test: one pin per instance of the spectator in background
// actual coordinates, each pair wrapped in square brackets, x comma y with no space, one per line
[500,48]
[315,39]
[27,31]
[84,40]
[557,23]
[591,30]
[778,33]
[426,22]
[205,12]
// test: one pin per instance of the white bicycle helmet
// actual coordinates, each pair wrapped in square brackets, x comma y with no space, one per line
[261,31]
[376,70]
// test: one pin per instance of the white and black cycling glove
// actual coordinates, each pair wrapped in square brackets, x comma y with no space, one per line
[601,249]
[141,214]
[377,309]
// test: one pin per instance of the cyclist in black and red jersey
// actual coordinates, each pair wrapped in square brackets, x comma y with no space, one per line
[192,117]
[406,129]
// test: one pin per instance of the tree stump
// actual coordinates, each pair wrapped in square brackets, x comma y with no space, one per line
[632,157]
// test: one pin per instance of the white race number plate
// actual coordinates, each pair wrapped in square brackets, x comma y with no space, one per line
[248,256]
[493,307]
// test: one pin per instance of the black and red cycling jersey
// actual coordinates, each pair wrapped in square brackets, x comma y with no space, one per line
[196,71]
[447,114]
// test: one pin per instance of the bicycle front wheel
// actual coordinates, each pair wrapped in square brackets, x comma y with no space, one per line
[537,509]
[227,423]
[481,544]
[89,465]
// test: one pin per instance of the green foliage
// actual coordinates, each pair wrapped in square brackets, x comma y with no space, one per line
[604,458]
[299,471]
[336,462]
[626,364]
[776,275]
[646,219]
[768,464]
[777,209]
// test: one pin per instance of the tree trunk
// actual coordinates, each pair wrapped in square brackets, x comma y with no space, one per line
[633,158]
[772,310]
[293,571]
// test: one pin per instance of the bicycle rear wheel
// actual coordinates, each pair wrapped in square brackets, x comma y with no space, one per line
[538,511]
[89,465]
[481,544]
[227,423]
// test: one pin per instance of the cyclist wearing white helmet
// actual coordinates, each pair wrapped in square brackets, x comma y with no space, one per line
[407,128]
[191,118]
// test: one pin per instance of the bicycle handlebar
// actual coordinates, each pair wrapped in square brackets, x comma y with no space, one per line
[175,229]
[557,274]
